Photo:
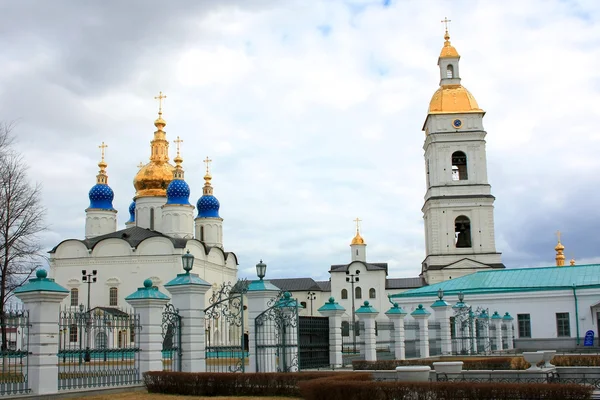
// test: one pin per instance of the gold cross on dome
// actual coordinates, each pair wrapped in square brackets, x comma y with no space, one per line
[160,98]
[102,147]
[207,161]
[558,236]
[445,22]
[140,165]
[178,141]
[357,220]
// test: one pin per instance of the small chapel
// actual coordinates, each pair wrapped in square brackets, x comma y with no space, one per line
[161,229]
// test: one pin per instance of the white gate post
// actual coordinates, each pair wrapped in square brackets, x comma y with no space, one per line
[334,312]
[442,311]
[289,308]
[42,296]
[189,296]
[508,320]
[497,321]
[396,314]
[259,294]
[367,314]
[486,323]
[422,316]
[149,303]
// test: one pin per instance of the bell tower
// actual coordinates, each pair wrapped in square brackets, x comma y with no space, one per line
[459,208]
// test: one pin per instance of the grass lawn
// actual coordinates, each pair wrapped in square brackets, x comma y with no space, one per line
[147,396]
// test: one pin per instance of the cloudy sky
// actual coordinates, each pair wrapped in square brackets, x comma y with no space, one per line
[312,112]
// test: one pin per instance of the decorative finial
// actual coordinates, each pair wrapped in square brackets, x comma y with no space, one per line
[160,98]
[178,141]
[572,262]
[358,221]
[178,173]
[357,238]
[560,257]
[102,147]
[102,178]
[207,161]
[140,165]
[445,22]
[207,190]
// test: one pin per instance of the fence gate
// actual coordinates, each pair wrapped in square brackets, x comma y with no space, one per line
[14,349]
[314,342]
[226,338]
[171,334]
[277,335]
[98,347]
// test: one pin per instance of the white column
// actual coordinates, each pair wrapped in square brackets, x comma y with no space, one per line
[442,311]
[508,320]
[259,294]
[486,341]
[42,298]
[473,333]
[149,303]
[367,314]
[334,312]
[188,293]
[291,336]
[421,315]
[497,321]
[396,314]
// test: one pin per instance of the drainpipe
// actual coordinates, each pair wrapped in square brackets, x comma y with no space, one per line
[576,313]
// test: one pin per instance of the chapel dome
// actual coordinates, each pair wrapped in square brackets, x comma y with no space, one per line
[449,99]
[357,239]
[178,192]
[131,212]
[101,197]
[153,179]
[208,207]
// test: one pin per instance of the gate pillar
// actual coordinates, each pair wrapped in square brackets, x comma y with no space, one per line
[149,303]
[497,321]
[422,317]
[442,311]
[42,297]
[508,319]
[259,294]
[396,314]
[189,296]
[334,312]
[367,314]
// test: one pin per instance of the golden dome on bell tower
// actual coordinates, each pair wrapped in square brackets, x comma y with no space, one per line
[153,178]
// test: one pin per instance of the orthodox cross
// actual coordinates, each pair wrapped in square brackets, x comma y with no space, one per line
[178,141]
[102,147]
[160,98]
[558,236]
[357,224]
[140,165]
[445,22]
[207,161]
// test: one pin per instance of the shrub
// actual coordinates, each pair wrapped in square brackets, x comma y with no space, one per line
[576,361]
[337,389]
[494,363]
[236,384]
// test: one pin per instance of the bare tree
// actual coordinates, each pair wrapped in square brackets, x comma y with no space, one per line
[21,221]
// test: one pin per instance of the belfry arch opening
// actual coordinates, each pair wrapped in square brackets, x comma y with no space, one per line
[459,166]
[450,71]
[462,232]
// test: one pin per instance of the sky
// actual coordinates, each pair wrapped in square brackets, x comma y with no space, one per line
[312,113]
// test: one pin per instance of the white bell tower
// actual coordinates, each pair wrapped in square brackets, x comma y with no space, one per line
[459,208]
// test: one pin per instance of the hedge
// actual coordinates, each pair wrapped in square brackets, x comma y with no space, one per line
[237,384]
[334,389]
[493,363]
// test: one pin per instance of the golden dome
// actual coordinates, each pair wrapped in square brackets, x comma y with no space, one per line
[449,99]
[358,239]
[448,51]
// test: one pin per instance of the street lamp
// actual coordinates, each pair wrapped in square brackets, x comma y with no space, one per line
[188,262]
[353,278]
[89,279]
[261,270]
[311,296]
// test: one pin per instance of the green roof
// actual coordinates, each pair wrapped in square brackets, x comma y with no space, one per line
[366,308]
[331,305]
[41,284]
[514,280]
[187,279]
[395,310]
[420,311]
[147,292]
[260,286]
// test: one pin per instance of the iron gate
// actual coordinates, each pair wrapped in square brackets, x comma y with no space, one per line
[276,331]
[314,342]
[226,339]
[171,334]
[14,350]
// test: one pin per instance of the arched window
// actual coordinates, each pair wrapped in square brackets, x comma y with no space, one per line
[357,292]
[450,71]
[74,297]
[459,166]
[152,219]
[371,293]
[344,294]
[462,229]
[113,297]
[73,333]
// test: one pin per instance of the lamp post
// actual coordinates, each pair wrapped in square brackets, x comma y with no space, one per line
[311,296]
[353,278]
[89,279]
[188,262]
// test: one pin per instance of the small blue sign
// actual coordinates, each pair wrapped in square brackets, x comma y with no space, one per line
[589,338]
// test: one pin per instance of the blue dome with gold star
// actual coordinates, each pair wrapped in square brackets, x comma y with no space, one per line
[101,197]
[208,207]
[131,212]
[178,192]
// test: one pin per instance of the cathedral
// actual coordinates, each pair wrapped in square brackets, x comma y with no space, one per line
[160,230]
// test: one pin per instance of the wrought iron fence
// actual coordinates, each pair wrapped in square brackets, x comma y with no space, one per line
[314,342]
[384,340]
[412,341]
[351,344]
[98,348]
[171,334]
[14,350]
[226,339]
[435,338]
[480,376]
